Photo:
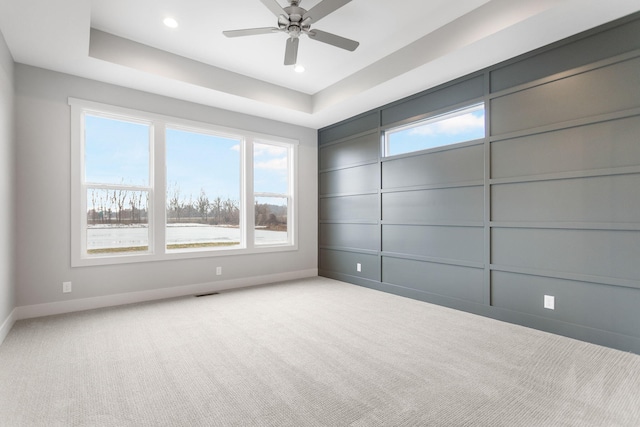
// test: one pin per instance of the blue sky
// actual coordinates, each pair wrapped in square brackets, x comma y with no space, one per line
[117,152]
[198,161]
[438,132]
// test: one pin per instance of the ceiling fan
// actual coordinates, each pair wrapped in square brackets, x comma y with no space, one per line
[295,21]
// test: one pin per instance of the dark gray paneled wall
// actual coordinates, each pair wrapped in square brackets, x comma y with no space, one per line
[548,203]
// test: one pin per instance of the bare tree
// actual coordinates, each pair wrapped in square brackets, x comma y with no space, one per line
[119,198]
[134,202]
[202,205]
[261,213]
[103,200]
[94,199]
[217,209]
[189,207]
[231,212]
[174,201]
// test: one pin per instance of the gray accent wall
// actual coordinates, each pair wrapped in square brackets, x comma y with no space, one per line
[7,248]
[548,203]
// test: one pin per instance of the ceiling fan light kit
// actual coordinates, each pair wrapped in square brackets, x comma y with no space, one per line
[295,21]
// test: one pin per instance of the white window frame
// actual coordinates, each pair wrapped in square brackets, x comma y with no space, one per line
[244,170]
[157,187]
[290,190]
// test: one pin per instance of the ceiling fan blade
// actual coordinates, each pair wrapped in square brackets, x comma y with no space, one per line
[251,32]
[274,7]
[291,52]
[323,8]
[334,40]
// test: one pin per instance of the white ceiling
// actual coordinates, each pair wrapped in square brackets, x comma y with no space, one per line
[405,47]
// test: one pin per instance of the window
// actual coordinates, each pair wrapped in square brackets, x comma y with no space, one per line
[271,186]
[116,185]
[462,125]
[148,187]
[203,190]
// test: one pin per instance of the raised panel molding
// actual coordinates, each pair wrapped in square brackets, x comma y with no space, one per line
[547,204]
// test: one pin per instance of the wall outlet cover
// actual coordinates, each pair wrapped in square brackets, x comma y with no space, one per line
[550,302]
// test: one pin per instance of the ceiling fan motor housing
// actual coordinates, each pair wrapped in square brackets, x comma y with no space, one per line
[293,24]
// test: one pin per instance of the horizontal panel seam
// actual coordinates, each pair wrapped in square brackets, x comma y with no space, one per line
[434,260]
[567,124]
[349,166]
[427,151]
[351,250]
[560,225]
[583,69]
[348,221]
[559,176]
[433,113]
[336,195]
[465,184]
[347,138]
[576,277]
[470,224]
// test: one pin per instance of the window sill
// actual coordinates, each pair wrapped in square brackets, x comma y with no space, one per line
[177,255]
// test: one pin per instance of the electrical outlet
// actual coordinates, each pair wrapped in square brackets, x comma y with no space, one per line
[66,287]
[550,302]
[218,271]
[358,267]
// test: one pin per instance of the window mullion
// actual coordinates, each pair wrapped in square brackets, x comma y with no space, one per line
[292,200]
[157,196]
[249,197]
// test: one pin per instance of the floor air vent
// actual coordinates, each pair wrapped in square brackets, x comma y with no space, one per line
[206,295]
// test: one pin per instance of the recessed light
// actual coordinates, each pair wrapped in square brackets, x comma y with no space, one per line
[298,68]
[170,22]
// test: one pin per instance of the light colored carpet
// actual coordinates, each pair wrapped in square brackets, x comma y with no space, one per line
[314,352]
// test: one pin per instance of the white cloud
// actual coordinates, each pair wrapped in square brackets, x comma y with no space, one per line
[453,126]
[273,164]
[270,150]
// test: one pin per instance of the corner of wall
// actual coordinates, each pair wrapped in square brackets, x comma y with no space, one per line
[8,323]
[7,191]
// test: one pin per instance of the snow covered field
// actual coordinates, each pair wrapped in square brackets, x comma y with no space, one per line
[105,236]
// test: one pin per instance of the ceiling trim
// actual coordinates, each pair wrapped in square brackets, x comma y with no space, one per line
[459,33]
[121,51]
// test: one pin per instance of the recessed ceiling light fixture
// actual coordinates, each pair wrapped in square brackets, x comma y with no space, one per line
[298,68]
[170,22]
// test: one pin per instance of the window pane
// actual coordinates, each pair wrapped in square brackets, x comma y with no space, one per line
[271,220]
[460,126]
[203,191]
[116,151]
[117,221]
[270,169]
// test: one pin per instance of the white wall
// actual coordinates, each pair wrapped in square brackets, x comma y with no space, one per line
[43,203]
[7,282]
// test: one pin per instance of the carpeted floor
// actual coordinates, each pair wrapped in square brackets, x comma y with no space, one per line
[314,352]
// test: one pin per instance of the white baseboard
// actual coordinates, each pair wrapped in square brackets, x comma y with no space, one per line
[8,324]
[48,309]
